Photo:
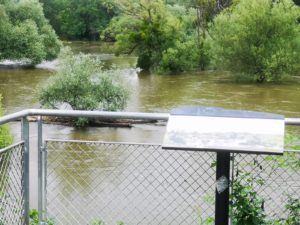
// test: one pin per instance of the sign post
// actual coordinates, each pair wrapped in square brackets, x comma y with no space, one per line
[224,131]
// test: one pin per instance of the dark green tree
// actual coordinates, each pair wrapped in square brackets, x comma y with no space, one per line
[161,35]
[79,19]
[25,34]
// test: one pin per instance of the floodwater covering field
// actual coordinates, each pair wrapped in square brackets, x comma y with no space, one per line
[149,93]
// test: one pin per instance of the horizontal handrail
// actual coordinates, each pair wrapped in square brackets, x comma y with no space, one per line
[88,114]
[6,149]
[101,115]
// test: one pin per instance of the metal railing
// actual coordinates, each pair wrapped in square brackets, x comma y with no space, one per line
[80,182]
[12,186]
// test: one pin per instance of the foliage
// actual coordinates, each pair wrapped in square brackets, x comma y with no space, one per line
[293,211]
[82,84]
[34,218]
[182,57]
[98,222]
[5,136]
[25,33]
[79,19]
[161,35]
[293,208]
[101,222]
[246,205]
[152,29]
[257,38]
[288,159]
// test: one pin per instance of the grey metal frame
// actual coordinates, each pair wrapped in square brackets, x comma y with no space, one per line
[101,114]
[42,154]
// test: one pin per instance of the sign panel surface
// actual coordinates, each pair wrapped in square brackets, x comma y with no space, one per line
[232,132]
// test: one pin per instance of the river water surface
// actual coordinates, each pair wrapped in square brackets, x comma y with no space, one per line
[149,93]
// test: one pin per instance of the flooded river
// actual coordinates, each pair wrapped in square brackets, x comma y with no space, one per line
[149,93]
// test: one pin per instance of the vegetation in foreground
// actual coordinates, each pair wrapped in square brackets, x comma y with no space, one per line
[5,135]
[81,84]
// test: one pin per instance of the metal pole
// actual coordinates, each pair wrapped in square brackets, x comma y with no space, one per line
[45,158]
[40,170]
[222,189]
[25,183]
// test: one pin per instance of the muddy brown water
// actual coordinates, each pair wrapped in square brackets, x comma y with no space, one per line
[149,93]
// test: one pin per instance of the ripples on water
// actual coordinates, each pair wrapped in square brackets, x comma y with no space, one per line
[149,93]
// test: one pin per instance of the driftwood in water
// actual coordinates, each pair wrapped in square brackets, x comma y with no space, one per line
[70,121]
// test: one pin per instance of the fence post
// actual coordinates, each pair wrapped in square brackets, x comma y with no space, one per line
[222,190]
[25,183]
[40,172]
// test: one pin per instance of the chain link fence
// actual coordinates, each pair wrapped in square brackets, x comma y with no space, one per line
[11,185]
[128,183]
[132,184]
[275,179]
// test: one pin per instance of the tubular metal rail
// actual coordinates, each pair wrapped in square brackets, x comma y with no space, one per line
[129,183]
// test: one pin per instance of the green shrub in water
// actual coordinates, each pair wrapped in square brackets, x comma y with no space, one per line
[82,84]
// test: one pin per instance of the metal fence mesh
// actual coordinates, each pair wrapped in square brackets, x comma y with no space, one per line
[11,181]
[143,184]
[129,183]
[276,179]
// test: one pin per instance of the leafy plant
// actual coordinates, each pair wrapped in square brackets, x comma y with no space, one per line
[82,84]
[246,206]
[98,222]
[293,207]
[101,222]
[34,218]
[5,136]
[288,159]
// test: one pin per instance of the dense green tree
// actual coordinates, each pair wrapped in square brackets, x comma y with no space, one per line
[151,30]
[82,84]
[25,34]
[161,35]
[79,19]
[257,38]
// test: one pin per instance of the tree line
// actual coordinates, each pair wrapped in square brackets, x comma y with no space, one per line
[257,40]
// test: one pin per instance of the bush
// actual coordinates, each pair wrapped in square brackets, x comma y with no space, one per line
[5,136]
[184,56]
[257,38]
[246,205]
[81,83]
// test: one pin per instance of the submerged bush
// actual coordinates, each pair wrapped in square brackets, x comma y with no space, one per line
[258,39]
[82,84]
[183,56]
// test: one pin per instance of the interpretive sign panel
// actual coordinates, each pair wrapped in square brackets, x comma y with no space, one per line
[217,129]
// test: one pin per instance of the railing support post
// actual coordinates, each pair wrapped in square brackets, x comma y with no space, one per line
[25,183]
[40,172]
[222,189]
